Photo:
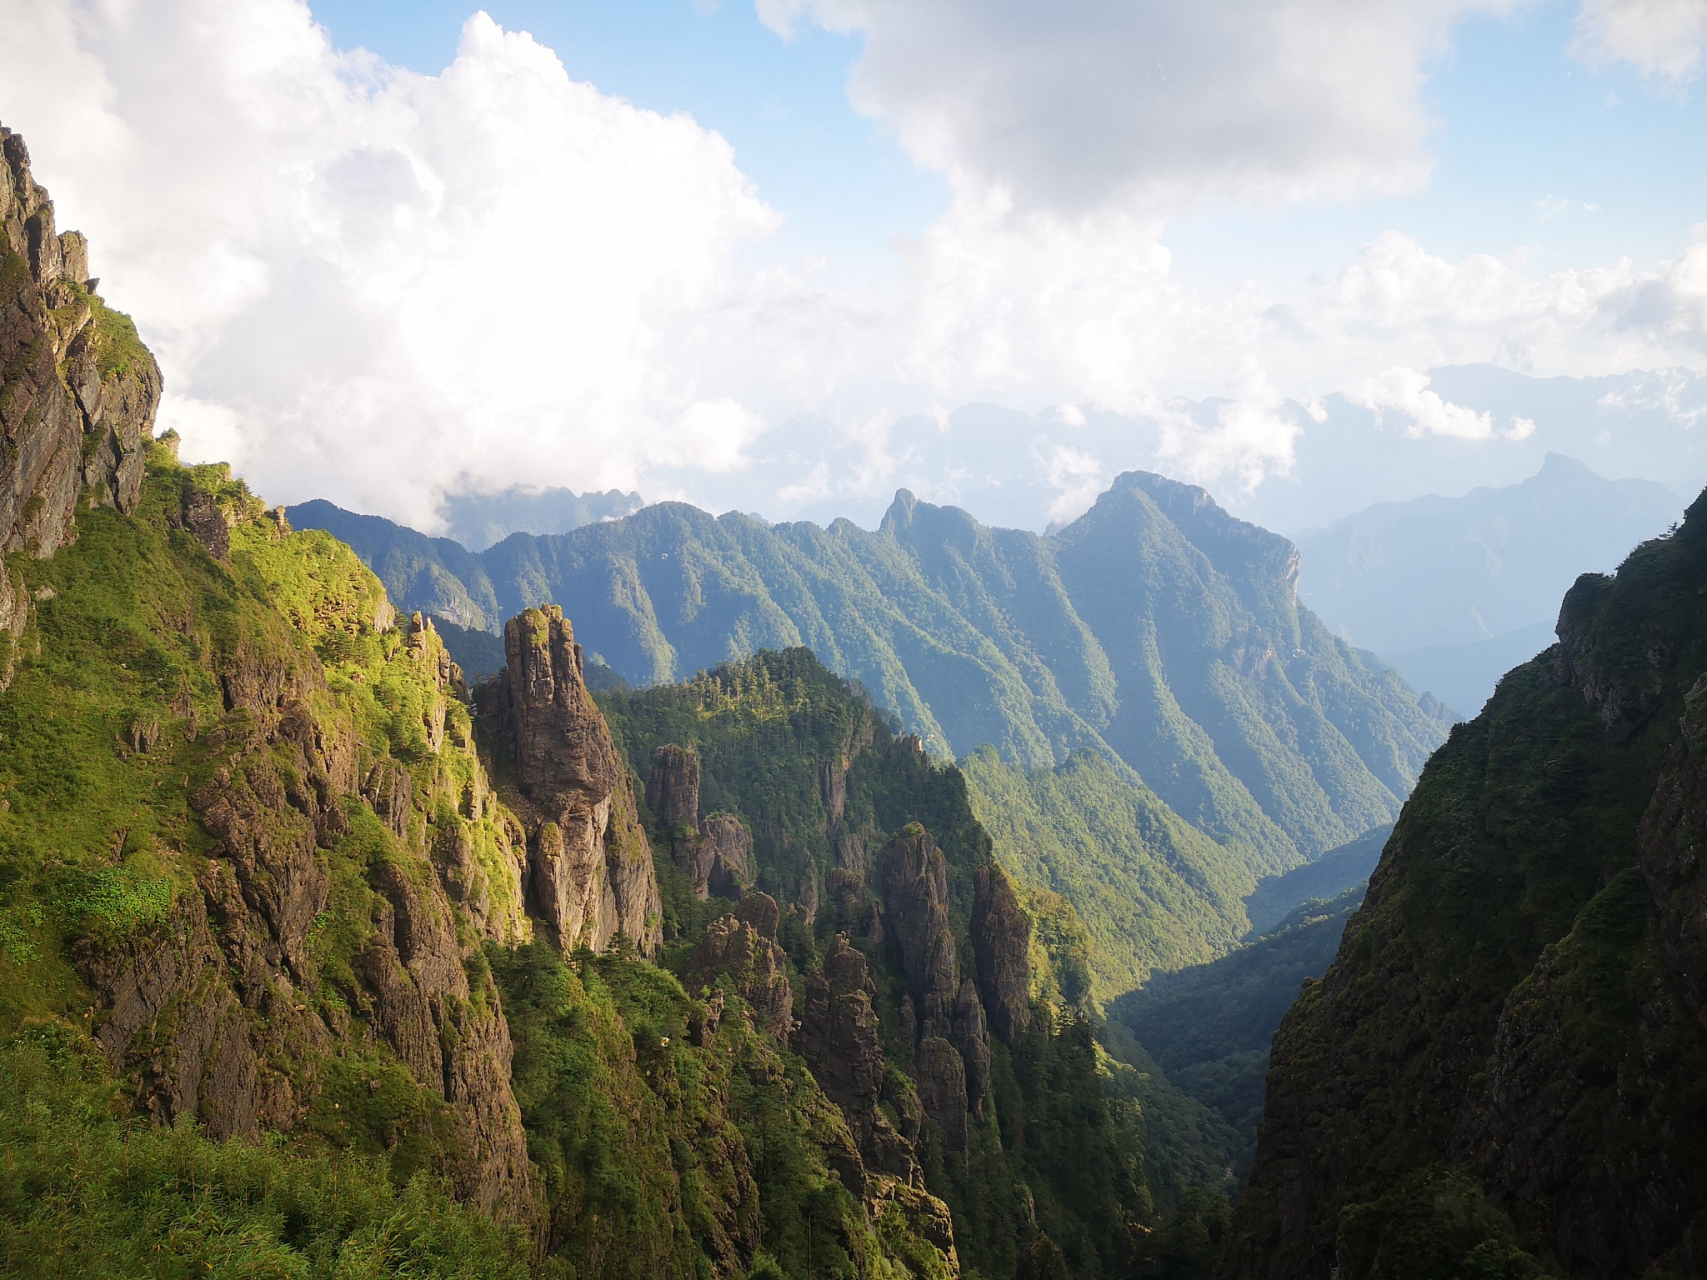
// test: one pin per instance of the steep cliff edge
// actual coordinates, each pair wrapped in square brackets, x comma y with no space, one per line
[79,393]
[977,1112]
[266,845]
[1503,1067]
[591,867]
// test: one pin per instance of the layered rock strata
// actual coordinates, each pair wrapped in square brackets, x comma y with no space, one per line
[590,863]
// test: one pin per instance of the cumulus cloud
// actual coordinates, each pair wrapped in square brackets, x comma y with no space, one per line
[369,284]
[360,280]
[1406,392]
[1398,303]
[1659,38]
[1070,106]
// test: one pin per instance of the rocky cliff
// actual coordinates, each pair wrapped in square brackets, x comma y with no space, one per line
[287,821]
[944,1016]
[80,390]
[1502,1068]
[911,979]
[262,880]
[590,864]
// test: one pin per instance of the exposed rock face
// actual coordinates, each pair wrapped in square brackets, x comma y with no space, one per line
[672,792]
[78,400]
[592,873]
[915,899]
[745,950]
[721,858]
[839,1038]
[206,1012]
[833,773]
[1001,944]
[760,911]
[952,1053]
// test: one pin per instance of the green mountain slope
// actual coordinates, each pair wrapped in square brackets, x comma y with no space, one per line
[308,969]
[1502,1070]
[1329,876]
[1156,627]
[826,792]
[1152,891]
[1209,1027]
[1151,659]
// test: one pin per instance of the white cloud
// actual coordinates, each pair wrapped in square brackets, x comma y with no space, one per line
[1078,476]
[370,285]
[362,282]
[1406,391]
[1660,38]
[1398,304]
[1243,439]
[1551,207]
[1072,106]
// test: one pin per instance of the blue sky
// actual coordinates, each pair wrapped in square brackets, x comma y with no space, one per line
[843,185]
[1518,123]
[765,253]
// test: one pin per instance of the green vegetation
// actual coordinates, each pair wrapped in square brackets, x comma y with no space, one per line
[666,1151]
[1504,1060]
[1209,1026]
[88,1189]
[1434,1224]
[1153,892]
[1068,1135]
[1153,630]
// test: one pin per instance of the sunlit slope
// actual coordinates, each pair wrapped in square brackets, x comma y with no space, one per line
[1156,628]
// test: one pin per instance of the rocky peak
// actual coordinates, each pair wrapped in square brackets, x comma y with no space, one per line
[563,750]
[760,911]
[915,900]
[80,390]
[951,1052]
[840,1040]
[721,859]
[590,863]
[1001,944]
[756,967]
[672,792]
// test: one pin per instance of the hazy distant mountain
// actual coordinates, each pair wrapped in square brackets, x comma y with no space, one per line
[1453,590]
[1463,676]
[1329,876]
[477,520]
[1029,470]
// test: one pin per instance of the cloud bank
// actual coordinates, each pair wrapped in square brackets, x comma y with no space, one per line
[374,286]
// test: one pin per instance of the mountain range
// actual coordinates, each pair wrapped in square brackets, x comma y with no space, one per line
[1456,590]
[916,903]
[477,520]
[1162,714]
